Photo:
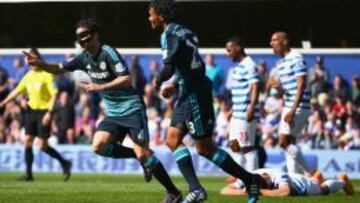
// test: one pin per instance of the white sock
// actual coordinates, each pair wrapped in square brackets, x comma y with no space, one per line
[334,185]
[238,158]
[290,164]
[295,160]
[252,160]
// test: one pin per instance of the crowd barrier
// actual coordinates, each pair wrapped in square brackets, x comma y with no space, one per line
[329,162]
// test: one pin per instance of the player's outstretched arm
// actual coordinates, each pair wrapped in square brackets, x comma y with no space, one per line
[48,67]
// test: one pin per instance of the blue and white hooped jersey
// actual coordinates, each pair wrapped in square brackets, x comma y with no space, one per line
[243,75]
[299,184]
[288,69]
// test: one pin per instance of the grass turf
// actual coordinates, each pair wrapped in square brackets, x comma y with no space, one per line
[104,188]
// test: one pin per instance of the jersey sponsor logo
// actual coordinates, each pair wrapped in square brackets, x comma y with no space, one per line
[102,65]
[97,75]
[119,67]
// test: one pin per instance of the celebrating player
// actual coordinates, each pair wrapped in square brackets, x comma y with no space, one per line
[125,109]
[38,85]
[194,111]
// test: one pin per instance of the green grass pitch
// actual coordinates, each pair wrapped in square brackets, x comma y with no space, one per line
[104,188]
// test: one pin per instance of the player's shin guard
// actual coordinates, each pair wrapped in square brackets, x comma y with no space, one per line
[295,161]
[334,185]
[160,174]
[183,159]
[227,164]
[29,158]
[117,151]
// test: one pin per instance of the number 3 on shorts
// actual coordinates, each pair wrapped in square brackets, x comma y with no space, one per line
[191,127]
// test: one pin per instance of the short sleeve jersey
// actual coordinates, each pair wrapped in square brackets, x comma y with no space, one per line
[245,73]
[288,68]
[40,88]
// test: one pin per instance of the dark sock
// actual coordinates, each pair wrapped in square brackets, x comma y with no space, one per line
[183,159]
[29,158]
[55,154]
[160,174]
[117,151]
[222,159]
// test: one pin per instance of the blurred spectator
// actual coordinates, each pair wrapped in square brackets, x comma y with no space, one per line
[229,76]
[357,140]
[355,90]
[157,138]
[318,70]
[94,102]
[315,129]
[319,85]
[64,114]
[84,100]
[339,107]
[64,83]
[151,99]
[270,119]
[4,91]
[15,134]
[340,88]
[166,119]
[12,112]
[137,76]
[330,128]
[2,130]
[263,76]
[154,68]
[351,112]
[215,73]
[20,70]
[154,120]
[222,124]
[85,127]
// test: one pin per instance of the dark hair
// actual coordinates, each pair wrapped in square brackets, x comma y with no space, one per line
[236,40]
[34,51]
[168,9]
[89,23]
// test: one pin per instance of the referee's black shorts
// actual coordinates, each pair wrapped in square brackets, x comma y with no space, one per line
[33,124]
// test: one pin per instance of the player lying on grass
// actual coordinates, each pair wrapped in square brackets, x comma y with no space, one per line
[281,184]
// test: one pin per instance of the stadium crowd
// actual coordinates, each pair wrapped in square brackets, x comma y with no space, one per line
[333,124]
